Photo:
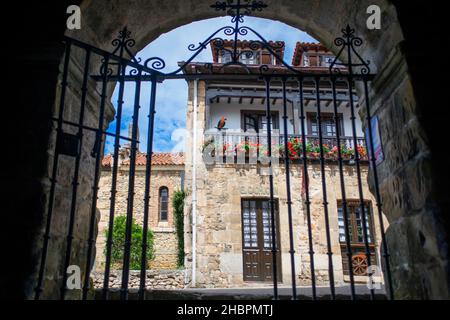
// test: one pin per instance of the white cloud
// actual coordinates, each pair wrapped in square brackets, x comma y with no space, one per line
[179,137]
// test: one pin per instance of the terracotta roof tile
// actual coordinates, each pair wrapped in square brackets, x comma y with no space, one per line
[168,158]
[304,47]
[277,46]
[158,159]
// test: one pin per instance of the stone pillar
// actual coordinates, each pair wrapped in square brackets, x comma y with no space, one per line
[201,91]
[64,179]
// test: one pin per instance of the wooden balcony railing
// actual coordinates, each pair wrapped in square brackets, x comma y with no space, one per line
[233,144]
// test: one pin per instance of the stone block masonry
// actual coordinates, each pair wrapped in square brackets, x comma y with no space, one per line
[219,242]
[155,279]
[165,239]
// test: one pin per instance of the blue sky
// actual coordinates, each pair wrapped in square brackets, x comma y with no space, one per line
[171,100]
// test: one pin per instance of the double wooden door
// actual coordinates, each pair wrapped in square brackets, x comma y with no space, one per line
[257,240]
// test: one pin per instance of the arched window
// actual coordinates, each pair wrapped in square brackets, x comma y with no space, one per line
[163,203]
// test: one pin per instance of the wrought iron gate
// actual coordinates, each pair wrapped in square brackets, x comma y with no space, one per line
[121,66]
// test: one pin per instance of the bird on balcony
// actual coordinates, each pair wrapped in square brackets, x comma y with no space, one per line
[221,123]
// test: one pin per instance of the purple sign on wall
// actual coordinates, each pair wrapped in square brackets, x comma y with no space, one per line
[377,144]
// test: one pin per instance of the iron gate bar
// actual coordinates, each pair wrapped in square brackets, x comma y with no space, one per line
[237,18]
[148,170]
[324,192]
[75,182]
[130,202]
[362,205]
[112,206]
[106,133]
[95,188]
[307,201]
[349,41]
[272,201]
[288,191]
[160,77]
[373,160]
[59,132]
[343,192]
[111,56]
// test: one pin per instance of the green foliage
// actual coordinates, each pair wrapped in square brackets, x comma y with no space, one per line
[178,209]
[118,242]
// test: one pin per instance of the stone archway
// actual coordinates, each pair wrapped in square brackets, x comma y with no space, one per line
[419,265]
[321,19]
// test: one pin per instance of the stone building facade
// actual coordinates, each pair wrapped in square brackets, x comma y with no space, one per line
[167,174]
[224,189]
[220,191]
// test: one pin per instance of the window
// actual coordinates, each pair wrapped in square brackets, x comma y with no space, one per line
[257,224]
[249,57]
[245,56]
[163,203]
[225,56]
[257,121]
[306,61]
[355,222]
[328,124]
[326,61]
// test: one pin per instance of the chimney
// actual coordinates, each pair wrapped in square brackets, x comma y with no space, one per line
[125,151]
[130,135]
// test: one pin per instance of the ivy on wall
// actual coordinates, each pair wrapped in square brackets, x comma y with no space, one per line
[118,242]
[178,209]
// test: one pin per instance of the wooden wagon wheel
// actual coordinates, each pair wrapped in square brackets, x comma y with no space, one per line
[359,265]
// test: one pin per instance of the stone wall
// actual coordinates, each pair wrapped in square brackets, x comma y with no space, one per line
[64,182]
[406,187]
[165,240]
[155,279]
[219,228]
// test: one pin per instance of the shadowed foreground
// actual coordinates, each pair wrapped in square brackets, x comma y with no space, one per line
[285,293]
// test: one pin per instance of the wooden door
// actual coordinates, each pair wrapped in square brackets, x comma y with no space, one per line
[257,240]
[356,235]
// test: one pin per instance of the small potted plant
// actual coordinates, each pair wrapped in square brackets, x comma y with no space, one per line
[314,151]
[243,147]
[333,153]
[362,152]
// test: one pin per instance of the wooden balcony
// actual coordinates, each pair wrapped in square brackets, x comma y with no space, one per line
[229,144]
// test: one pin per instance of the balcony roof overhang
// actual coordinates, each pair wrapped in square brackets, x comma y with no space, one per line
[246,99]
[229,95]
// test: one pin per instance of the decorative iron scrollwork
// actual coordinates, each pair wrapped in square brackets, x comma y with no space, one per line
[155,63]
[348,42]
[106,68]
[122,45]
[237,9]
